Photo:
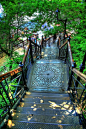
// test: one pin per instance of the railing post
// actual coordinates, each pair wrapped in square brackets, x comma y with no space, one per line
[49,42]
[54,38]
[40,48]
[66,54]
[23,76]
[69,38]
[42,41]
[8,88]
[67,49]
[45,41]
[82,67]
[31,51]
[59,45]
[82,94]
[59,40]
[10,117]
[36,45]
[6,93]
[70,78]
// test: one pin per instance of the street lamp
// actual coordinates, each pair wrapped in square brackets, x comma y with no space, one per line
[64,21]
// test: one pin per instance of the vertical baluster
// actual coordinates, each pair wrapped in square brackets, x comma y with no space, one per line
[6,93]
[82,67]
[59,45]
[59,40]
[31,51]
[36,45]
[81,94]
[40,49]
[23,76]
[45,41]
[3,98]
[53,38]
[42,41]
[66,54]
[8,88]
[84,97]
[36,51]
[49,42]
[70,78]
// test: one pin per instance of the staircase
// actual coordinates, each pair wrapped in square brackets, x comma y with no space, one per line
[47,104]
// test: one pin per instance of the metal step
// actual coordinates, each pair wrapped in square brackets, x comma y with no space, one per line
[48,77]
[50,90]
[50,105]
[46,94]
[41,100]
[59,119]
[38,125]
[42,111]
[47,97]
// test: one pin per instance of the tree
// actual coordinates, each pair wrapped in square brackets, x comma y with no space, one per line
[74,11]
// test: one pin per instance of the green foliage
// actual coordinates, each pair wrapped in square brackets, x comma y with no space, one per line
[76,20]
[14,62]
[84,114]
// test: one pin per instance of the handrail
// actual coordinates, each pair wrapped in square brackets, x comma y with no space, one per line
[48,38]
[69,49]
[24,59]
[80,74]
[70,54]
[10,73]
[78,94]
[15,71]
[64,44]
[19,82]
[35,43]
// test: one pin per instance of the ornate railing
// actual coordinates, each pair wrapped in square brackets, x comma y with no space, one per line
[13,84]
[77,80]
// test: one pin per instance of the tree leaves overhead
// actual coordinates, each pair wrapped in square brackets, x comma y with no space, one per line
[73,10]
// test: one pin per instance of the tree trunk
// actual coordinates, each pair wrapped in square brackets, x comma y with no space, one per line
[5,51]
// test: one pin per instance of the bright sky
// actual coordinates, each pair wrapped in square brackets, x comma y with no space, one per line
[1,9]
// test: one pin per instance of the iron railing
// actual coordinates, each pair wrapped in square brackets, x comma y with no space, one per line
[77,80]
[13,84]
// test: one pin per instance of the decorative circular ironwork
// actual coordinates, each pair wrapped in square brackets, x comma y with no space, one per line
[48,74]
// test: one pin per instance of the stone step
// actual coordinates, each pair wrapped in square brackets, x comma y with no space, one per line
[59,119]
[37,125]
[49,106]
[42,111]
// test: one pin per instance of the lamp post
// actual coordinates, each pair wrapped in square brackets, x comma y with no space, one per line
[64,21]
